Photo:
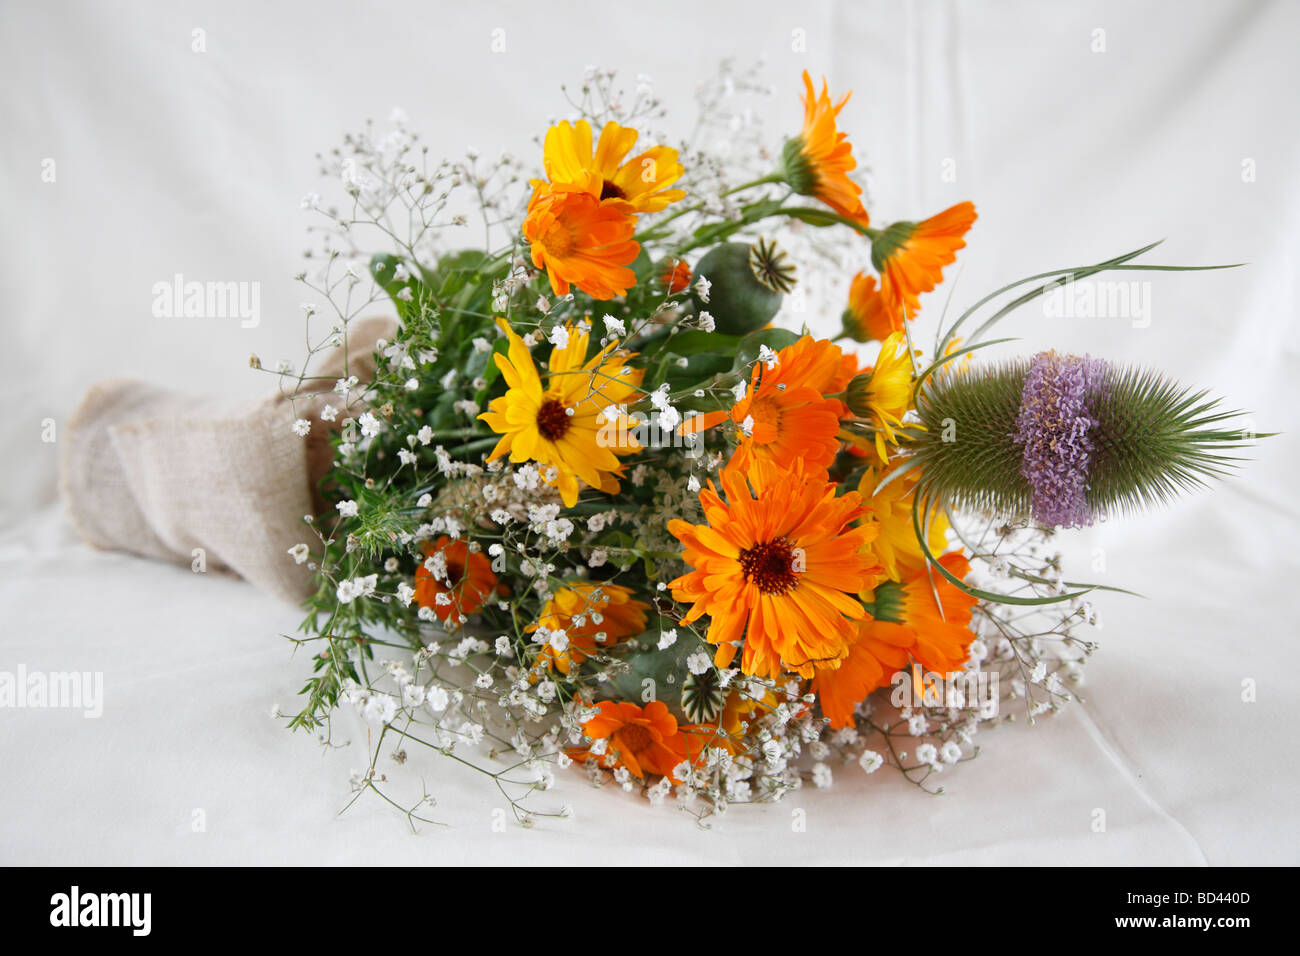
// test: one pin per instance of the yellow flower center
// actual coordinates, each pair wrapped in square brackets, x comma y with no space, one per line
[552,420]
[770,565]
[558,241]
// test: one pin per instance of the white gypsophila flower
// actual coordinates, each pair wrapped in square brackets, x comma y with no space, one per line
[347,509]
[702,287]
[667,639]
[739,391]
[917,725]
[615,326]
[767,357]
[301,427]
[436,699]
[424,435]
[698,663]
[412,384]
[351,589]
[950,752]
[345,385]
[692,484]
[329,413]
[870,761]
[558,336]
[370,425]
[405,456]
[747,426]
[926,753]
[299,553]
[378,708]
[598,558]
[821,775]
[405,593]
[706,321]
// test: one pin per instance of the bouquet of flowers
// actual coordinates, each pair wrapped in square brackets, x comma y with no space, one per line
[600,507]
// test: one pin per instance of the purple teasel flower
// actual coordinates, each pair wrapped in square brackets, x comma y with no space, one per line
[1053,426]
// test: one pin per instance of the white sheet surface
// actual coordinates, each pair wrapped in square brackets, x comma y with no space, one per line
[173,161]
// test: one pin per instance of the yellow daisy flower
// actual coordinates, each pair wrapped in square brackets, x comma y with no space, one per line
[561,424]
[884,394]
[640,183]
[896,546]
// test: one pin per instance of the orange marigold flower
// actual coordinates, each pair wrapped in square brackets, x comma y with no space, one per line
[464,577]
[943,634]
[784,414]
[868,315]
[674,275]
[581,241]
[592,615]
[817,161]
[910,257]
[907,624]
[638,185]
[777,569]
[873,661]
[644,740]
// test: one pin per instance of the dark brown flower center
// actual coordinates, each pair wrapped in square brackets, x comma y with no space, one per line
[455,573]
[770,565]
[552,420]
[611,191]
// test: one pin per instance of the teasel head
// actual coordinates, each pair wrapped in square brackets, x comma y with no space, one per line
[1065,441]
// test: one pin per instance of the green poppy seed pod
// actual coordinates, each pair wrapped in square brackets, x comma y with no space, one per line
[1066,441]
[741,298]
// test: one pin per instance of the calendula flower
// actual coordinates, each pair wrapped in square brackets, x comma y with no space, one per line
[777,569]
[817,161]
[581,241]
[785,414]
[674,275]
[940,628]
[644,740]
[907,625]
[910,257]
[873,660]
[895,544]
[563,425]
[868,315]
[884,394]
[638,185]
[592,615]
[460,582]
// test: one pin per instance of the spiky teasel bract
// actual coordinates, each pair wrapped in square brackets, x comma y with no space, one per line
[1066,440]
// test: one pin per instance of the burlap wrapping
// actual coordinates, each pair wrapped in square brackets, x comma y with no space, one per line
[177,478]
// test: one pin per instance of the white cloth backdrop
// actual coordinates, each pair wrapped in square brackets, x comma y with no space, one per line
[168,161]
